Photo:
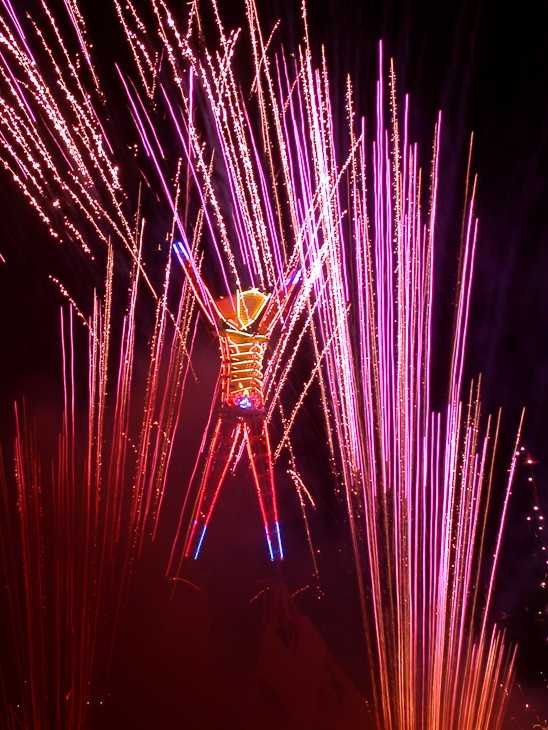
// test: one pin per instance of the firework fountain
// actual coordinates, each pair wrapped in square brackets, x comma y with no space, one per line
[103,491]
[417,485]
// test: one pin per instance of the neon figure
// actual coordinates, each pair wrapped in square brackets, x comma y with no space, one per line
[243,324]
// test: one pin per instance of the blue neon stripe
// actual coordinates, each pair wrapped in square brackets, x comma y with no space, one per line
[296,278]
[180,247]
[279,540]
[269,545]
[200,543]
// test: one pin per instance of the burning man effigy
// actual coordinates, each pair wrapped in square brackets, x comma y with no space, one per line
[243,324]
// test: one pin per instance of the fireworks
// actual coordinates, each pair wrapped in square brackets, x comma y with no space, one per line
[64,164]
[417,485]
[100,504]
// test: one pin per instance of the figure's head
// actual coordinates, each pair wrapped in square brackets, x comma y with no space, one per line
[244,308]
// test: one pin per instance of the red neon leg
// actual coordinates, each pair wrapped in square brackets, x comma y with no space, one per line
[260,456]
[221,451]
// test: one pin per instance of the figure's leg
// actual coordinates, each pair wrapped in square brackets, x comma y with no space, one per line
[260,456]
[223,444]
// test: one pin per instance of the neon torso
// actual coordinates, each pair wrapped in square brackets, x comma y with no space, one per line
[242,368]
[242,342]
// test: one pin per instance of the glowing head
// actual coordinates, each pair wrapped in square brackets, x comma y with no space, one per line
[245,308]
[250,305]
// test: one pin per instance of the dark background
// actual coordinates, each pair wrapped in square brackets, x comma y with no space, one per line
[187,654]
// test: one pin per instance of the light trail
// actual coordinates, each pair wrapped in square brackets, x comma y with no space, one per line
[101,504]
[418,486]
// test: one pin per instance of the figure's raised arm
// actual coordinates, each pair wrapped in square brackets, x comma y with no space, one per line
[279,303]
[201,292]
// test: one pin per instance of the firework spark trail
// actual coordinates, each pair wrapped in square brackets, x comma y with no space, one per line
[420,486]
[29,602]
[53,142]
[238,150]
[62,653]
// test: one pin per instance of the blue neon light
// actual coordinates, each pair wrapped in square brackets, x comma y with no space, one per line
[180,247]
[296,277]
[279,540]
[200,543]
[245,402]
[269,545]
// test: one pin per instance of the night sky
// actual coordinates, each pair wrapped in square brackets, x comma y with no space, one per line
[181,656]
